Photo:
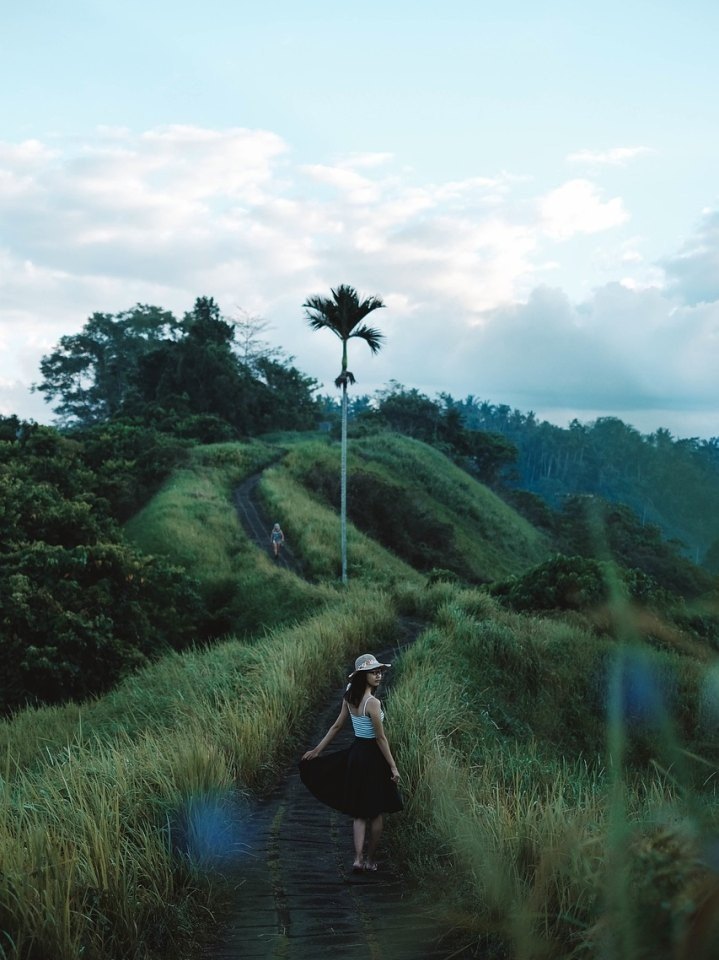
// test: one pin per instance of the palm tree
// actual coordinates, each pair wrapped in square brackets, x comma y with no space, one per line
[343,313]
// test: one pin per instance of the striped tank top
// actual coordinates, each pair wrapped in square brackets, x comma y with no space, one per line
[363,724]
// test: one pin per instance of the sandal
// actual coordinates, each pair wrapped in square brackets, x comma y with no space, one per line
[370,866]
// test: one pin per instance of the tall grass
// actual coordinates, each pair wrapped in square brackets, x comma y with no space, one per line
[558,852]
[192,520]
[99,838]
[188,519]
[314,531]
[491,537]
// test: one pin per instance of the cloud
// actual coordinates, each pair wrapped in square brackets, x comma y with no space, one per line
[693,272]
[619,350]
[172,213]
[576,207]
[615,157]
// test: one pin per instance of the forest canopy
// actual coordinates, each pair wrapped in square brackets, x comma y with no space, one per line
[192,377]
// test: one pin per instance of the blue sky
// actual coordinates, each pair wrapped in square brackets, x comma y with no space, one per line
[531,187]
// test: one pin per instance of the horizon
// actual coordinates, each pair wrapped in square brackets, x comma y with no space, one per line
[532,192]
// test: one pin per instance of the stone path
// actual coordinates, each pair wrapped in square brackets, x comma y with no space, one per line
[257,526]
[295,895]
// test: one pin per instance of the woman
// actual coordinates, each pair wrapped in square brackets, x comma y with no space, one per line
[360,781]
[277,538]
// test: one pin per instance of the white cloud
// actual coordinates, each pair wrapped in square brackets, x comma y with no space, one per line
[173,213]
[618,350]
[694,271]
[355,188]
[615,157]
[576,207]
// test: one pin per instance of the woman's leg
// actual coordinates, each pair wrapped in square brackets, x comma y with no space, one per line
[358,833]
[375,832]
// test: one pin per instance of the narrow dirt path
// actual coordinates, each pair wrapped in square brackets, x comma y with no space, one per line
[257,525]
[295,896]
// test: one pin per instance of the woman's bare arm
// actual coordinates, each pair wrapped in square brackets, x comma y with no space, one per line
[330,735]
[373,709]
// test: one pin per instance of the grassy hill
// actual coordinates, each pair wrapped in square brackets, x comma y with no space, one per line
[558,766]
[419,505]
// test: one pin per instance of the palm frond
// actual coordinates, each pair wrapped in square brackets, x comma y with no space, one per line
[373,337]
[321,313]
[340,313]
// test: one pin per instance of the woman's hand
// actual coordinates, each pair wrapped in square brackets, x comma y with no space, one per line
[311,754]
[394,774]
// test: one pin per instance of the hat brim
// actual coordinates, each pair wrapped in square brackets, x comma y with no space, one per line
[375,666]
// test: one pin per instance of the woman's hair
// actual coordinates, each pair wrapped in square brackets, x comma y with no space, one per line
[356,688]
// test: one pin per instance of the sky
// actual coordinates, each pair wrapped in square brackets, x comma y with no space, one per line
[531,187]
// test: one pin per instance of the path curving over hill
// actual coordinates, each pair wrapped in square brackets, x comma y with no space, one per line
[296,897]
[257,524]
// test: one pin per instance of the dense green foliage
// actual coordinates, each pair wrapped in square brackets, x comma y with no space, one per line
[593,527]
[669,482]
[79,608]
[183,377]
[577,583]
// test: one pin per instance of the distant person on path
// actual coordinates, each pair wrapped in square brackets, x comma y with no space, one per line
[360,781]
[277,538]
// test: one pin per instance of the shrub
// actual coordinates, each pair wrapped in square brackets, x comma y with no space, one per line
[576,583]
[75,620]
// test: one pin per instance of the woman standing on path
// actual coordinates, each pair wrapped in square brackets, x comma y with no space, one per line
[360,781]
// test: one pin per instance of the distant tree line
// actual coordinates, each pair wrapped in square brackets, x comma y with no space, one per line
[672,483]
[670,486]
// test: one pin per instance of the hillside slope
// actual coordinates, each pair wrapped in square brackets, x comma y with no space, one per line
[415,502]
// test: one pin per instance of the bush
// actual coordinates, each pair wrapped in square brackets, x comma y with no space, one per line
[576,583]
[74,620]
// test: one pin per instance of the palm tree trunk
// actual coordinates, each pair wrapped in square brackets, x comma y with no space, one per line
[343,485]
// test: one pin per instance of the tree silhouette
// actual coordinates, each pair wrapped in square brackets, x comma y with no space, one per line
[343,313]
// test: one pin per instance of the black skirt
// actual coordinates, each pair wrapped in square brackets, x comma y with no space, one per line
[356,781]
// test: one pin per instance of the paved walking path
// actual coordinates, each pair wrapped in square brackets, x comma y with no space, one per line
[295,895]
[257,526]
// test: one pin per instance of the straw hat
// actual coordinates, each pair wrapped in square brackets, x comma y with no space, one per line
[366,662]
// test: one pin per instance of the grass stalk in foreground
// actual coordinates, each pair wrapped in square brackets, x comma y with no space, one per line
[98,838]
[551,852]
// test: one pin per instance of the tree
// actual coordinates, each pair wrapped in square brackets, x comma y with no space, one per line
[410,412]
[92,373]
[343,313]
[79,607]
[199,373]
[251,348]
